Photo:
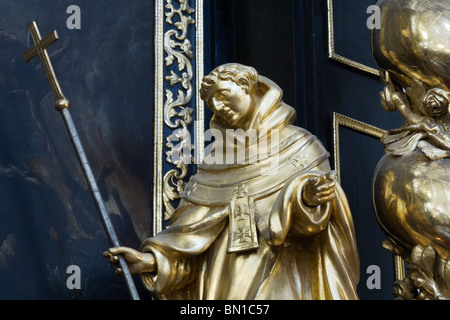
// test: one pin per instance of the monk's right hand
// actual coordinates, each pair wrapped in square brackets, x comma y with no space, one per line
[138,262]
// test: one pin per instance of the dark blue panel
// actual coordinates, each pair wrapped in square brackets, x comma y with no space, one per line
[259,34]
[360,154]
[288,42]
[351,35]
[48,220]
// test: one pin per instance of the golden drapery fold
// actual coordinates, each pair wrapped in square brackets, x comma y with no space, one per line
[302,253]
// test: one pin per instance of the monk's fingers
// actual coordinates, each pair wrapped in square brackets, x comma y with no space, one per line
[118,250]
[325,199]
[313,181]
[325,178]
[332,175]
[112,257]
[327,185]
[118,272]
[325,193]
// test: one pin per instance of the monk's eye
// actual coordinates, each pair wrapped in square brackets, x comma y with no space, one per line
[222,95]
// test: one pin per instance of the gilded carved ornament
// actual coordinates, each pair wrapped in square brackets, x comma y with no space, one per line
[177,113]
[411,188]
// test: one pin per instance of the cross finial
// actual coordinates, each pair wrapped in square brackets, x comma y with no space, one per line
[240,191]
[40,49]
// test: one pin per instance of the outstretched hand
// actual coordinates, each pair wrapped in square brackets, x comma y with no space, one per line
[138,262]
[319,190]
[391,98]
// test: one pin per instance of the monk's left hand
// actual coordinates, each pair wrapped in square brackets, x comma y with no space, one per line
[319,190]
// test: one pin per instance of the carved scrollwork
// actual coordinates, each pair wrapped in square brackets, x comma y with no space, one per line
[177,113]
[427,276]
[179,155]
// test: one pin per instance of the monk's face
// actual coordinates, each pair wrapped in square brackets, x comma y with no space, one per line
[231,103]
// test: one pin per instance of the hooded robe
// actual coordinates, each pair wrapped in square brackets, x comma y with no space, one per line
[242,231]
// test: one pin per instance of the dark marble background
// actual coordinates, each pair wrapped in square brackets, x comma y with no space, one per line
[48,220]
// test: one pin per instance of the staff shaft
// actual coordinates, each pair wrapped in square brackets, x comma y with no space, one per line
[92,184]
[62,105]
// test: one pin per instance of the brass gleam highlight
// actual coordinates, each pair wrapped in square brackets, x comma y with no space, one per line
[411,189]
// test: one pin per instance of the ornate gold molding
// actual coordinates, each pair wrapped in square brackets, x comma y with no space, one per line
[158,124]
[200,108]
[362,127]
[177,113]
[331,49]
[172,112]
[341,120]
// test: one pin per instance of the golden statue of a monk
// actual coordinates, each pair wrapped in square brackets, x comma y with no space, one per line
[274,225]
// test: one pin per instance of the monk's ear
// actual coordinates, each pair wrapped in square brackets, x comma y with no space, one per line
[244,84]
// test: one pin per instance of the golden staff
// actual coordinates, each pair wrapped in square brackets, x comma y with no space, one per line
[62,105]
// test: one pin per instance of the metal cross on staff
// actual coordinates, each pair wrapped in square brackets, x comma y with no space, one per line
[62,105]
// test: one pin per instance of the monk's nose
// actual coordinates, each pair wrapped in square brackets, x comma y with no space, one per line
[218,105]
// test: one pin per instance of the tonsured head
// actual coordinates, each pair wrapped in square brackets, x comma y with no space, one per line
[229,92]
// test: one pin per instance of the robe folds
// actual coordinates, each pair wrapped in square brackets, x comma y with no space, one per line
[284,250]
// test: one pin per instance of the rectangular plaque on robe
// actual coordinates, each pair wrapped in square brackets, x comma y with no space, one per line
[242,234]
